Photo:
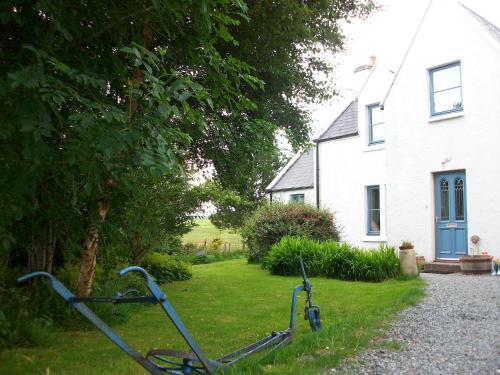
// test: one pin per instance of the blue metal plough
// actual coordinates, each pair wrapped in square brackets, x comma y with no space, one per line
[158,361]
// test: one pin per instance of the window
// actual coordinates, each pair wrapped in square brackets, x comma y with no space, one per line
[376,125]
[373,200]
[446,89]
[296,198]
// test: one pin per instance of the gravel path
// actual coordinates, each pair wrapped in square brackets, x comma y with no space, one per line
[454,330]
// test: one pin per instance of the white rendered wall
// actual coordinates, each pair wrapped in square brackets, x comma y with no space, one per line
[348,165]
[284,196]
[417,147]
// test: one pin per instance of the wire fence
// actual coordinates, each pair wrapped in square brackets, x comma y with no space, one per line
[225,247]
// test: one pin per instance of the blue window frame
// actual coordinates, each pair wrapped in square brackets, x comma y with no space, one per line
[446,89]
[376,125]
[373,208]
[296,198]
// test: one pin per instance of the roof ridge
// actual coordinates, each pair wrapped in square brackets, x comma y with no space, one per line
[490,27]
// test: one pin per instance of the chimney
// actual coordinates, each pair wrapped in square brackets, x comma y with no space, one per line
[361,68]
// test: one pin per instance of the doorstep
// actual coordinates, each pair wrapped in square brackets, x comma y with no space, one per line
[442,267]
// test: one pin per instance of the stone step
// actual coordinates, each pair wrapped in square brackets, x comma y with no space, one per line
[441,267]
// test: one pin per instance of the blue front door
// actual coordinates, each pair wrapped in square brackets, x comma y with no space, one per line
[451,215]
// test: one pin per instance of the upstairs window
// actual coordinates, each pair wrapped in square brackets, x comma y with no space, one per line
[446,89]
[373,206]
[376,125]
[296,198]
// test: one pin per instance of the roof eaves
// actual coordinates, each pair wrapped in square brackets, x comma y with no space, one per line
[290,188]
[318,140]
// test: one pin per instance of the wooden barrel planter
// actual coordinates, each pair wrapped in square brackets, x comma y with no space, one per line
[475,264]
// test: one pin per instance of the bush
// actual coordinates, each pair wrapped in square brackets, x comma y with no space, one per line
[28,317]
[215,244]
[211,257]
[272,222]
[332,259]
[165,268]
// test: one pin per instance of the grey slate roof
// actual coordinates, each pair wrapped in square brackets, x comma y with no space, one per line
[345,125]
[490,28]
[300,175]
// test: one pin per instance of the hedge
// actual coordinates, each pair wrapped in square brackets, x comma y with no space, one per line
[270,223]
[165,268]
[332,259]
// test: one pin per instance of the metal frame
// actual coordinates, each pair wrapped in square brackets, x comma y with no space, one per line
[158,361]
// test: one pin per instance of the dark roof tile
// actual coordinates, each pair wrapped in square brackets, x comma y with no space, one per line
[344,125]
[300,175]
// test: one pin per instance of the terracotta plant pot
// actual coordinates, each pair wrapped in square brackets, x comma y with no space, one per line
[475,263]
[408,262]
[420,261]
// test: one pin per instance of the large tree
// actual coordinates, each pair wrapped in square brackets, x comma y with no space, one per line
[95,93]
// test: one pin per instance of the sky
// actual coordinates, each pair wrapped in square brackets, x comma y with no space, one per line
[386,33]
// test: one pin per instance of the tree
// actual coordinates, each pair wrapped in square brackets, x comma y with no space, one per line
[94,94]
[290,44]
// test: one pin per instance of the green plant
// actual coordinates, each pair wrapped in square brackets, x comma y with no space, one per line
[165,268]
[215,244]
[332,259]
[406,245]
[271,223]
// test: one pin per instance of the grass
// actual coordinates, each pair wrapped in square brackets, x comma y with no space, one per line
[225,306]
[206,231]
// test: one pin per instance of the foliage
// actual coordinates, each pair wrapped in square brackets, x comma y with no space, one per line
[215,306]
[104,104]
[165,268]
[107,109]
[272,222]
[406,245]
[160,213]
[30,317]
[332,259]
[215,244]
[202,257]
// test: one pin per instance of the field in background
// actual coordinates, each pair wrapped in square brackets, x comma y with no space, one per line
[204,232]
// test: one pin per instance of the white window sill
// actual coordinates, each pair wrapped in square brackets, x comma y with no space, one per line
[446,116]
[374,147]
[374,238]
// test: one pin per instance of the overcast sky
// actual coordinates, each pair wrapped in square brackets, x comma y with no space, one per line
[385,34]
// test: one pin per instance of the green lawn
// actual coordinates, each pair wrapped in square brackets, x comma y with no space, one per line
[226,306]
[206,231]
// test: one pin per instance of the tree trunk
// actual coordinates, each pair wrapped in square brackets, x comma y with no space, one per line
[89,255]
[41,256]
[87,264]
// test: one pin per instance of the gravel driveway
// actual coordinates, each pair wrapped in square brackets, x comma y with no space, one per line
[454,330]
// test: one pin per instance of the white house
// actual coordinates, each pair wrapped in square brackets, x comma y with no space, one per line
[415,155]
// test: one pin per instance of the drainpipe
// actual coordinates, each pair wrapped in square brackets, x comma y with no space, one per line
[270,197]
[316,184]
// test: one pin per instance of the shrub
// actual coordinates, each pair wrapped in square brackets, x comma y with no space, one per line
[332,259]
[165,268]
[215,244]
[406,245]
[272,222]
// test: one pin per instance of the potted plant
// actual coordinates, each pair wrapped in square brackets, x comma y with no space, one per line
[477,262]
[407,259]
[420,262]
